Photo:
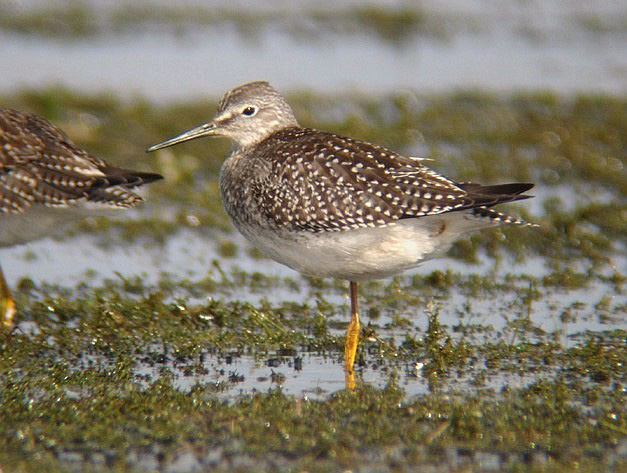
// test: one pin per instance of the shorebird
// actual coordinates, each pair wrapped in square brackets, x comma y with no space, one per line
[46,182]
[330,206]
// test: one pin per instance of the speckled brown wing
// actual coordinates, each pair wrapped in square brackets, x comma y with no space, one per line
[325,182]
[39,164]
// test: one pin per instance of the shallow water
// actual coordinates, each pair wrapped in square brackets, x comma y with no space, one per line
[193,255]
[517,47]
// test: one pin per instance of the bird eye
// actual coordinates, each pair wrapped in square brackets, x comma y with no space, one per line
[249,111]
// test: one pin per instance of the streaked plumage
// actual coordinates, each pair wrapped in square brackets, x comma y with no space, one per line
[327,205]
[46,181]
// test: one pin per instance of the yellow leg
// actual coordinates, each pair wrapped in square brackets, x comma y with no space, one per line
[352,339]
[7,304]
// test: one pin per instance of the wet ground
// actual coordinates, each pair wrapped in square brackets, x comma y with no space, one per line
[159,340]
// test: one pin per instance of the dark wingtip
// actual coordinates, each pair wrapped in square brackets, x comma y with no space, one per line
[125,178]
[525,186]
[148,177]
[512,188]
[515,190]
[487,196]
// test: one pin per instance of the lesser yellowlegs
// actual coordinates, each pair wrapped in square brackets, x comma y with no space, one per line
[46,181]
[330,206]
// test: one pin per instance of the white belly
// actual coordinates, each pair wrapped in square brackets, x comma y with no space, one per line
[366,253]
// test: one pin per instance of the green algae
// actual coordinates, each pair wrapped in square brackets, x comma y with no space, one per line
[72,388]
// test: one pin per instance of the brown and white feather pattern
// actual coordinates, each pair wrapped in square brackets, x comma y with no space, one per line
[39,165]
[300,179]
